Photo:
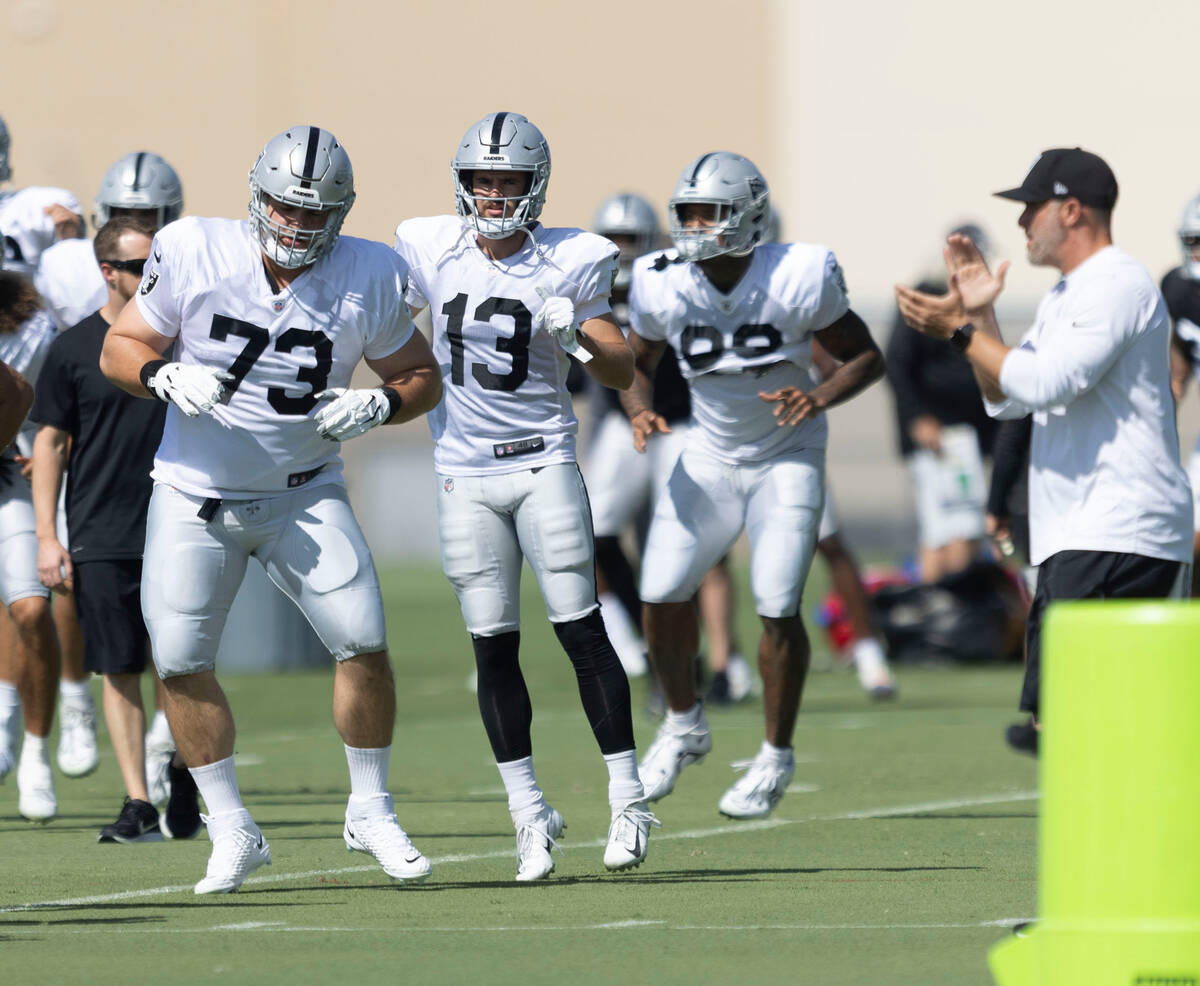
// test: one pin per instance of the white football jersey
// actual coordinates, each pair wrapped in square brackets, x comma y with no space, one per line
[732,346]
[70,283]
[26,228]
[206,287]
[25,351]
[505,405]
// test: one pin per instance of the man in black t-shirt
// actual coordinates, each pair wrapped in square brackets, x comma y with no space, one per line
[112,437]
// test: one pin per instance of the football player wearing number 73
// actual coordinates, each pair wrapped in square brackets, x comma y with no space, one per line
[269,317]
[510,298]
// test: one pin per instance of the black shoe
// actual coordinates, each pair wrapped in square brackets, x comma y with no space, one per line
[138,822]
[181,820]
[718,690]
[1023,737]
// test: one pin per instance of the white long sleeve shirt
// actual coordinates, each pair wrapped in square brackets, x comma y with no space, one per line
[1094,370]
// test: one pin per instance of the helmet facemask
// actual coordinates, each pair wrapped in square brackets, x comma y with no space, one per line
[527,207]
[307,246]
[302,167]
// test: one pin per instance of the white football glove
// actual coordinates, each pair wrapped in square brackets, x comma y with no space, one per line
[557,316]
[350,413]
[190,387]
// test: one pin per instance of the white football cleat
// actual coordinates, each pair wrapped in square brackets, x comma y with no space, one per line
[535,844]
[77,754]
[36,799]
[238,849]
[670,752]
[759,789]
[379,834]
[628,836]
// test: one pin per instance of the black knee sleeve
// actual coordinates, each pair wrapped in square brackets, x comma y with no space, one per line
[603,686]
[611,560]
[503,698]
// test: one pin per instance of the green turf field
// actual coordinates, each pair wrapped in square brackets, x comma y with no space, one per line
[904,849]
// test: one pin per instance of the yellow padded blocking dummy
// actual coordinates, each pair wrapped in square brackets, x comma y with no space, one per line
[1119,832]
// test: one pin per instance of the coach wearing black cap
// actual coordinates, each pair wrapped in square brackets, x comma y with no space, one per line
[1109,503]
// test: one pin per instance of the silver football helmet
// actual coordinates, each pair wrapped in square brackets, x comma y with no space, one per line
[5,143]
[501,142]
[739,192]
[140,180]
[1189,238]
[306,167]
[626,214]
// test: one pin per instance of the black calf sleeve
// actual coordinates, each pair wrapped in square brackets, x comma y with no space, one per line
[611,560]
[503,698]
[603,686]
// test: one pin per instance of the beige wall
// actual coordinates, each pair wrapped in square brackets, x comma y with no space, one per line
[206,83]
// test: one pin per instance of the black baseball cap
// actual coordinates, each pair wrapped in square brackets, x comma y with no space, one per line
[1067,172]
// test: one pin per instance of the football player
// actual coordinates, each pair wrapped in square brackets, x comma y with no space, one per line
[509,299]
[1181,289]
[741,314]
[34,217]
[29,677]
[269,319]
[140,185]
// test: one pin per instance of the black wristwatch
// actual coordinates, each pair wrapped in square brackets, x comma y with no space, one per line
[960,338]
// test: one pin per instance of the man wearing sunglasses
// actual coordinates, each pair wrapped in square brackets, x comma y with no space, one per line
[107,438]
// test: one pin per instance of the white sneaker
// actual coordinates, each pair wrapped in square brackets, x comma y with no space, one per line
[35,787]
[380,835]
[628,836]
[757,791]
[535,844]
[873,672]
[77,755]
[238,849]
[670,752]
[10,740]
[739,676]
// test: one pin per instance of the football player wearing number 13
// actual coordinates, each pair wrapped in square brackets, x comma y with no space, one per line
[509,297]
[742,314]
[269,319]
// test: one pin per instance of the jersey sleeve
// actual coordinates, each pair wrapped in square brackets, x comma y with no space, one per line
[833,300]
[596,284]
[394,327]
[415,294]
[158,295]
[53,393]
[642,319]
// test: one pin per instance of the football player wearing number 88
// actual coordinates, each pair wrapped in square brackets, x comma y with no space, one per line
[269,318]
[741,313]
[509,298]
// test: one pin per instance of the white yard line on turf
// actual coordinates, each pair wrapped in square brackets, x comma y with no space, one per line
[705,833]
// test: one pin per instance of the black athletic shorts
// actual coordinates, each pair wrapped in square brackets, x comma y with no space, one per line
[1091,575]
[108,596]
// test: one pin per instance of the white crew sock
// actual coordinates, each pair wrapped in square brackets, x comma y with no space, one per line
[218,786]
[777,755]
[524,796]
[368,770]
[75,693]
[34,747]
[868,656]
[682,722]
[10,700]
[624,785]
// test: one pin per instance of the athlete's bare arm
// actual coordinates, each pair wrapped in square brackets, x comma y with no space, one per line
[412,372]
[129,345]
[849,342]
[638,399]
[612,360]
[16,397]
